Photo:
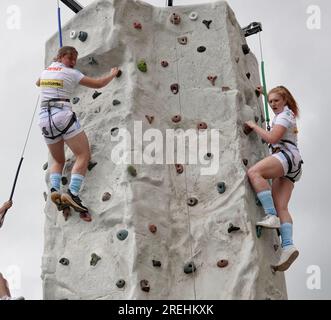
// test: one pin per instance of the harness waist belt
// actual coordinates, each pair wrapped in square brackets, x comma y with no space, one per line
[56,100]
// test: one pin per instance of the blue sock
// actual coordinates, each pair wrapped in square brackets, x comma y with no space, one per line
[55,179]
[267,202]
[76,183]
[286,231]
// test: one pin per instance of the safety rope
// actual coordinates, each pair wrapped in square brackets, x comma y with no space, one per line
[187,208]
[264,86]
[59,23]
[20,163]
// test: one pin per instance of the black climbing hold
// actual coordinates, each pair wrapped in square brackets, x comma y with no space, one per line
[144,285]
[246,49]
[182,40]
[96,94]
[201,49]
[192,201]
[224,89]
[106,196]
[116,102]
[164,63]
[156,263]
[237,59]
[137,25]
[208,156]
[189,267]
[232,228]
[222,263]
[221,187]
[174,88]
[245,161]
[149,119]
[179,168]
[82,36]
[256,118]
[202,126]
[45,166]
[94,259]
[64,261]
[64,180]
[252,28]
[45,195]
[75,100]
[132,171]
[248,75]
[175,18]
[45,132]
[119,73]
[91,165]
[258,202]
[122,234]
[142,65]
[177,118]
[212,79]
[207,23]
[258,231]
[257,92]
[120,283]
[114,132]
[247,129]
[92,61]
[278,232]
[152,228]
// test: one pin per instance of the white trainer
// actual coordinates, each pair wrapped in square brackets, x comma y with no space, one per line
[287,257]
[269,221]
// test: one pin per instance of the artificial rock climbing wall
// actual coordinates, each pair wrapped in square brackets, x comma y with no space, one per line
[163,231]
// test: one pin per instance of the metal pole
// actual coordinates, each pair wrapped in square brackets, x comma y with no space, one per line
[169,3]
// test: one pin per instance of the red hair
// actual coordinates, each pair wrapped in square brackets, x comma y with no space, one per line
[287,96]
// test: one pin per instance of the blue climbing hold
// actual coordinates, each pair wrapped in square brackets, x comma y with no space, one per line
[122,234]
[221,187]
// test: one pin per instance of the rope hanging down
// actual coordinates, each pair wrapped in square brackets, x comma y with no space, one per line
[20,163]
[59,23]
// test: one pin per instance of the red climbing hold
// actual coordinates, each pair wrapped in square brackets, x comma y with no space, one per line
[202,125]
[137,25]
[164,63]
[177,118]
[179,168]
[175,18]
[152,228]
[212,79]
[247,129]
[174,88]
[222,263]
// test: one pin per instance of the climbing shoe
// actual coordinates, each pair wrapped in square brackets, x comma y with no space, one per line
[269,221]
[56,198]
[287,257]
[73,201]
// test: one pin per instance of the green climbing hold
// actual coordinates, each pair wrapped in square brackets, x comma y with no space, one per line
[258,231]
[189,267]
[142,65]
[132,171]
[122,234]
[120,283]
[221,187]
[94,259]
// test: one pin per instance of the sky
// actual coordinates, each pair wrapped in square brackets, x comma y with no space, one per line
[296,49]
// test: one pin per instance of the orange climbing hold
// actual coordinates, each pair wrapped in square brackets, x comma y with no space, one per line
[137,25]
[212,79]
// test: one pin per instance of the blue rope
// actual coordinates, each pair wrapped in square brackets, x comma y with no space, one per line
[59,23]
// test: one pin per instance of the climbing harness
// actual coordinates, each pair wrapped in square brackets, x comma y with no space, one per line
[20,163]
[59,23]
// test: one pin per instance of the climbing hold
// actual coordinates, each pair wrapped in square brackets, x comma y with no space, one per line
[221,187]
[245,162]
[150,119]
[132,171]
[94,259]
[156,263]
[189,267]
[116,102]
[179,168]
[222,263]
[122,234]
[246,49]
[96,94]
[164,63]
[91,165]
[258,231]
[177,118]
[45,166]
[208,156]
[193,15]
[207,23]
[232,228]
[73,34]
[252,28]
[75,100]
[45,195]
[142,65]
[137,25]
[119,73]
[144,285]
[212,79]
[258,202]
[201,49]
[64,261]
[257,92]
[256,118]
[192,201]
[120,283]
[182,40]
[92,61]
[248,75]
[64,180]
[174,88]
[224,89]
[237,59]
[202,125]
[247,129]
[276,246]
[175,18]
[106,196]
[82,36]
[114,132]
[152,228]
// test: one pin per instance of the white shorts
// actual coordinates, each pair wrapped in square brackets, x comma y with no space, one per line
[292,164]
[60,118]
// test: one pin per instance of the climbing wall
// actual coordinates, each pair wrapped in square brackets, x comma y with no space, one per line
[163,231]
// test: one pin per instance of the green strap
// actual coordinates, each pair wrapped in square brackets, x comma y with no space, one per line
[265,96]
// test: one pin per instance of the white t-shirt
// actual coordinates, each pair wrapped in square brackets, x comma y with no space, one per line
[59,81]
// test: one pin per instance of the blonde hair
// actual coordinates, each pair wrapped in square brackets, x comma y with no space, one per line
[287,96]
[64,51]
